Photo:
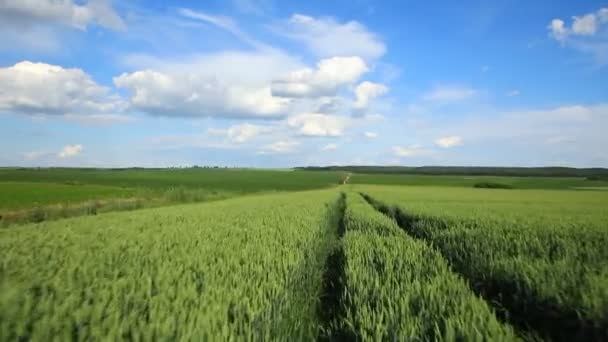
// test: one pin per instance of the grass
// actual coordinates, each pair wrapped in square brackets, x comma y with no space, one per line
[540,255]
[35,195]
[248,268]
[446,263]
[490,185]
[398,288]
[230,180]
[560,183]
[22,195]
[32,195]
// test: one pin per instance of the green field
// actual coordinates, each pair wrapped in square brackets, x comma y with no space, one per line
[20,195]
[231,180]
[34,195]
[539,255]
[470,181]
[362,262]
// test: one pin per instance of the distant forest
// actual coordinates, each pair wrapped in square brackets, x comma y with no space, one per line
[590,173]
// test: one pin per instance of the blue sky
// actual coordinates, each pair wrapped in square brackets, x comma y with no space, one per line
[266,83]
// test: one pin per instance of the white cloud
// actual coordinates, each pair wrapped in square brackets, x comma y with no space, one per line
[411,151]
[603,15]
[585,25]
[329,104]
[374,117]
[329,147]
[69,151]
[370,135]
[247,68]
[327,37]
[225,23]
[241,133]
[245,132]
[512,93]
[450,93]
[39,88]
[558,29]
[318,124]
[587,33]
[449,141]
[24,14]
[326,80]
[195,95]
[98,119]
[281,146]
[224,84]
[580,122]
[367,91]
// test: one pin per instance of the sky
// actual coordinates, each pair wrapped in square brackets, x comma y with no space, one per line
[268,83]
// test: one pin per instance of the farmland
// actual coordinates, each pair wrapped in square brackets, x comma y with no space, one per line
[354,261]
[555,183]
[248,268]
[539,255]
[34,195]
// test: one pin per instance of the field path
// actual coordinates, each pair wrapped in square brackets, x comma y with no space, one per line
[345,181]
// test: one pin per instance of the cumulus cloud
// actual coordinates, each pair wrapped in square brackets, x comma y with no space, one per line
[585,25]
[329,104]
[327,79]
[327,37]
[584,33]
[233,84]
[23,14]
[367,91]
[557,29]
[370,135]
[450,93]
[39,88]
[411,151]
[449,141]
[318,124]
[281,146]
[70,151]
[194,95]
[250,68]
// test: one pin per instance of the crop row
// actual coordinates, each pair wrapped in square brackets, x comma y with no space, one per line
[548,279]
[399,288]
[246,269]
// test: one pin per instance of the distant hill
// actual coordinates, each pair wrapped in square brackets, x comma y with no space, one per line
[551,171]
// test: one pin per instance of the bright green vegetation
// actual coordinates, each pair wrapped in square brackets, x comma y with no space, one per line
[540,255]
[230,180]
[19,195]
[398,288]
[470,181]
[248,268]
[35,195]
[400,263]
[550,171]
